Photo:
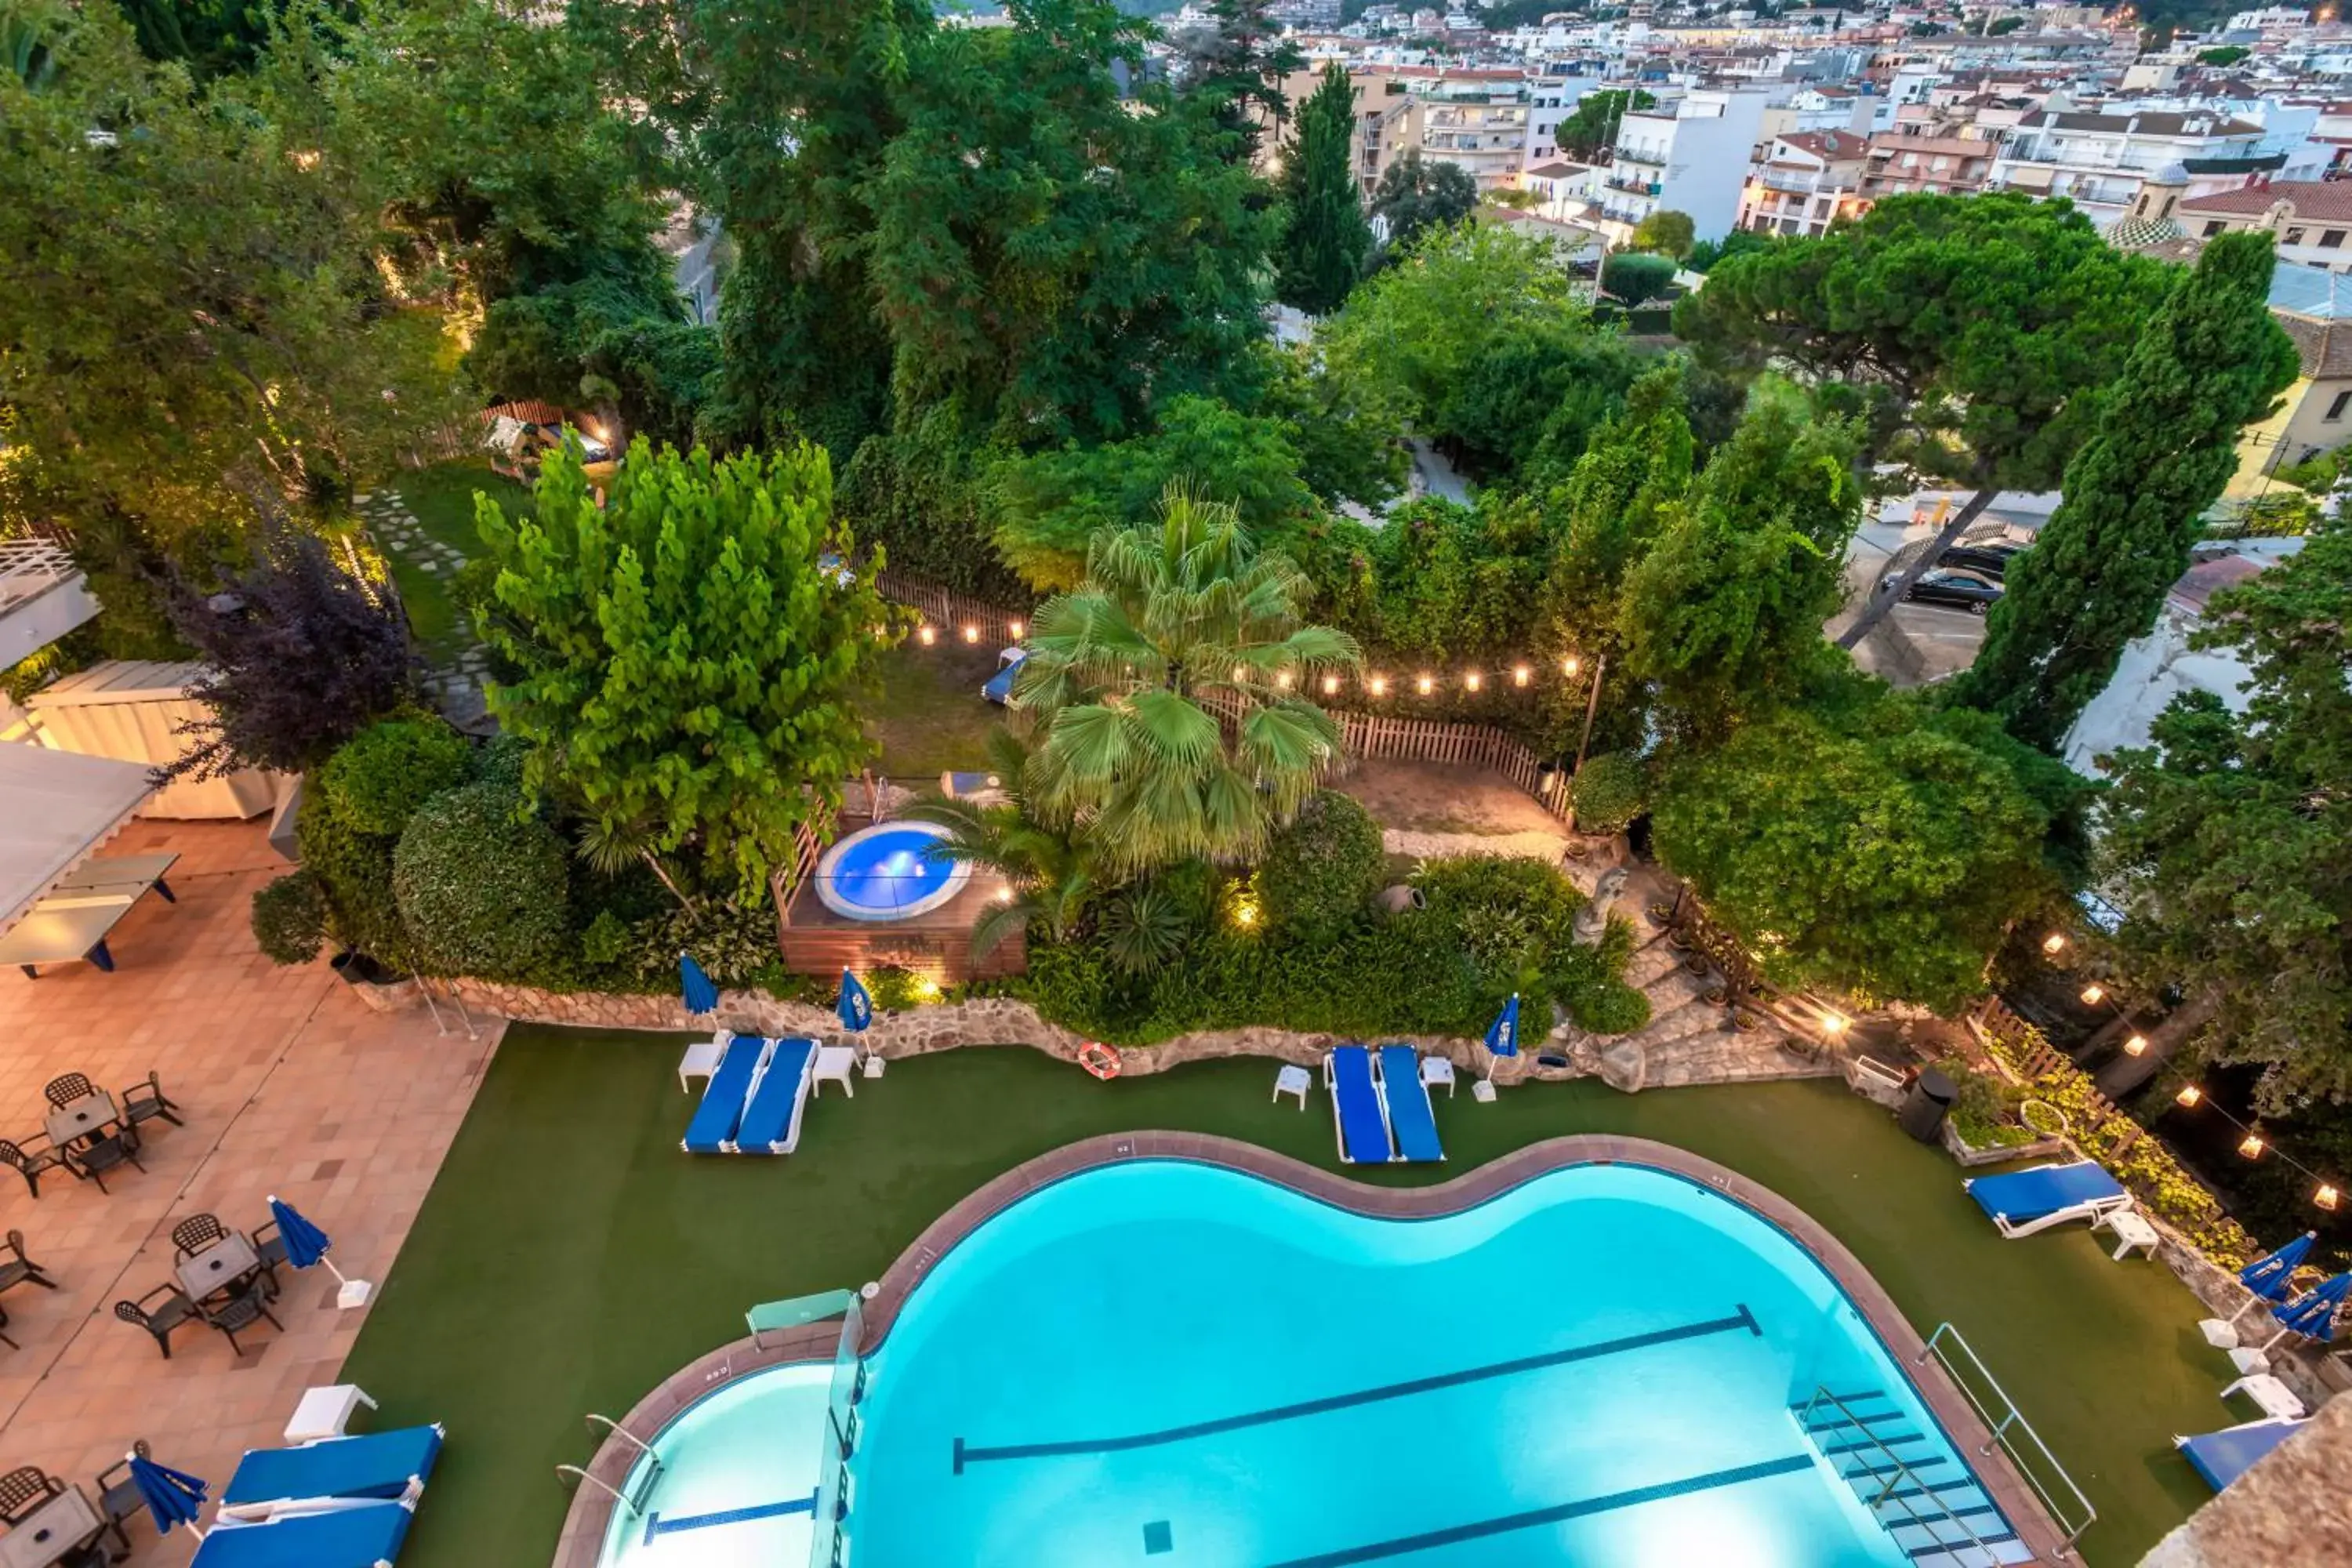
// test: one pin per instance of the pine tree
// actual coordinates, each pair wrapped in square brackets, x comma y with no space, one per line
[2165,443]
[1323,245]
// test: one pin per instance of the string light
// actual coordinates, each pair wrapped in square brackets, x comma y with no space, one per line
[2252,1147]
[971,634]
[1240,675]
[2054,942]
[1425,685]
[1519,675]
[1331,686]
[2136,1045]
[2189,1094]
[927,636]
[1568,667]
[1282,680]
[2093,994]
[1471,680]
[1380,686]
[1015,628]
[2324,1198]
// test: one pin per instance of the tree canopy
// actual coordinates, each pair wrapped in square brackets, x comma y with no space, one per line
[1416,194]
[1325,237]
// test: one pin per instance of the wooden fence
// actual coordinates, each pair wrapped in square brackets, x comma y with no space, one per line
[952,611]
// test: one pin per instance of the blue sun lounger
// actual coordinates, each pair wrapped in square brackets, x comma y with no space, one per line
[997,688]
[1411,1116]
[382,1466]
[2022,1202]
[2222,1456]
[771,1122]
[1358,1114]
[364,1535]
[723,1098]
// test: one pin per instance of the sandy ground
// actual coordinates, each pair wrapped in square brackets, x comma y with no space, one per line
[1447,799]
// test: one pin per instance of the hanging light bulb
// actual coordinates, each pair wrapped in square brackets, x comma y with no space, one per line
[1240,675]
[2054,942]
[2093,994]
[1833,1022]
[1015,628]
[1425,685]
[2136,1045]
[2189,1094]
[1331,686]
[1519,675]
[2252,1147]
[1471,680]
[1282,679]
[1380,686]
[927,636]
[2324,1198]
[1568,667]
[971,634]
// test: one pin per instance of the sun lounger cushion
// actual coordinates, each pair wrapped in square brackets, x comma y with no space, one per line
[380,1464]
[1363,1132]
[1411,1117]
[364,1537]
[771,1122]
[2023,1196]
[2222,1456]
[716,1119]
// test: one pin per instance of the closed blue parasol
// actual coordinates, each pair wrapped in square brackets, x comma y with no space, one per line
[2268,1277]
[1502,1041]
[2313,1314]
[701,994]
[855,1007]
[173,1496]
[306,1244]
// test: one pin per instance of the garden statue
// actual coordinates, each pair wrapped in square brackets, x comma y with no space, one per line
[1592,919]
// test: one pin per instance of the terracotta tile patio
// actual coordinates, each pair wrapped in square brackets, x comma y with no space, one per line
[287,1084]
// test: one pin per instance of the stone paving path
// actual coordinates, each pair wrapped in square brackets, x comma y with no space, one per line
[287,1085]
[456,681]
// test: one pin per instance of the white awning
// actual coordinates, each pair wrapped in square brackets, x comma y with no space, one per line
[55,808]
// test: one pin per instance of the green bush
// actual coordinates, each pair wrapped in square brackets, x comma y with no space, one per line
[1609,1009]
[1322,870]
[290,919]
[731,942]
[480,886]
[894,989]
[379,776]
[1608,792]
[354,875]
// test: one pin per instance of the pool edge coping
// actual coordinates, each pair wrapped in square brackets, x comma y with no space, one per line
[585,1524]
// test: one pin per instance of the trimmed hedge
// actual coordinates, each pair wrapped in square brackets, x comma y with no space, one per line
[379,776]
[1608,790]
[481,888]
[1322,870]
[290,919]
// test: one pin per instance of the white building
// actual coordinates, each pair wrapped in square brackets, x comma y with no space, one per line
[1690,156]
[2101,161]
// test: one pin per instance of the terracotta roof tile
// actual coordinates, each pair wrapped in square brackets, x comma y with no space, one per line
[2326,201]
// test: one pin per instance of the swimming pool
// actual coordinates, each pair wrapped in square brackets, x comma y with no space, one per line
[1167,1362]
[889,872]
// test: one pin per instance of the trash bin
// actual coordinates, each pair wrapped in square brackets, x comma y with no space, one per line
[1924,1108]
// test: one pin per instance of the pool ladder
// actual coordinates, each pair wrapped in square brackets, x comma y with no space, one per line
[634,1498]
[1947,1521]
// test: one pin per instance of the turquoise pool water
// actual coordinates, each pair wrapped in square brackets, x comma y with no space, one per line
[1168,1363]
[889,872]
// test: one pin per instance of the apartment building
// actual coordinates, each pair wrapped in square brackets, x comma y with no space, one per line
[2314,306]
[2311,218]
[1476,123]
[2101,160]
[1900,163]
[1690,156]
[1804,183]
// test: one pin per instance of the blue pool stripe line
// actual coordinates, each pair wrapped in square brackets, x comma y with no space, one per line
[969,1455]
[1538,1518]
[656,1525]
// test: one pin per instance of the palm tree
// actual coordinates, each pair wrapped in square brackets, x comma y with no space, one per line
[1167,693]
[1049,877]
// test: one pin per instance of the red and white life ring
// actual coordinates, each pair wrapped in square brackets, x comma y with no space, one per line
[1098,1059]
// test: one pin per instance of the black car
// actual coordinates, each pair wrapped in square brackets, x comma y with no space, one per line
[1985,560]
[1954,590]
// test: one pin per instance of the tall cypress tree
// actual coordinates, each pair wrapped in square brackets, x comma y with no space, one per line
[2165,445]
[1323,245]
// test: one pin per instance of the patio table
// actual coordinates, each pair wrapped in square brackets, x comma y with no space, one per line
[73,921]
[833,1065]
[63,1524]
[88,1117]
[220,1266]
[326,1411]
[2274,1398]
[2130,1231]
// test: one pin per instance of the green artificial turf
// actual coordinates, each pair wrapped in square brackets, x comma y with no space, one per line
[922,707]
[570,1257]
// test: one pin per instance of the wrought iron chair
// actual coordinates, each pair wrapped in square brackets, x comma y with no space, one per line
[147,1101]
[119,1497]
[242,1310]
[197,1232]
[160,1311]
[100,1155]
[66,1088]
[30,1163]
[21,1270]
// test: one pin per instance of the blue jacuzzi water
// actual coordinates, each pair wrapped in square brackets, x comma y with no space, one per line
[889,872]
[1168,1364]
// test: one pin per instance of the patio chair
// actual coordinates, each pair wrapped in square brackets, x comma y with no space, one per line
[195,1234]
[21,1270]
[30,1163]
[160,1311]
[119,1497]
[5,1340]
[147,1101]
[66,1088]
[100,1155]
[241,1310]
[25,1489]
[270,1248]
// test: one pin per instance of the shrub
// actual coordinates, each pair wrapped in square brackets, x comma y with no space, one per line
[1608,792]
[1633,277]
[894,989]
[1612,1008]
[1322,870]
[379,776]
[732,943]
[354,875]
[481,890]
[290,919]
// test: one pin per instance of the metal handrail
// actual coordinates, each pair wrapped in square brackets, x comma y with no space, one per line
[1892,1490]
[2011,1417]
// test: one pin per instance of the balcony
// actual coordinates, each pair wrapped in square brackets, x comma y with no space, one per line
[1655,157]
[42,595]
[1633,188]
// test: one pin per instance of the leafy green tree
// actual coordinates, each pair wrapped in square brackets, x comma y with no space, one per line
[379,776]
[1542,390]
[1705,253]
[208,36]
[1457,582]
[2226,54]
[192,315]
[1588,134]
[684,663]
[1984,333]
[2212,362]
[1123,673]
[1321,869]
[1416,194]
[2228,843]
[1348,431]
[1610,510]
[1724,612]
[1665,232]
[1635,277]
[1050,506]
[481,883]
[1867,852]
[1237,63]
[1325,237]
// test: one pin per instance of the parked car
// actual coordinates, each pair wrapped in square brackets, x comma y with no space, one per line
[1987,560]
[1953,590]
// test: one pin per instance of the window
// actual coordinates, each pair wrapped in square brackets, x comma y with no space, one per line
[2293,237]
[2335,407]
[2213,227]
[2331,238]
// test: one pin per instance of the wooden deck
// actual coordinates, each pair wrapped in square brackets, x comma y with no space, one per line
[936,945]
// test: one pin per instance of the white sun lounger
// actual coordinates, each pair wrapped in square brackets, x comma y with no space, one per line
[2023,1202]
[1359,1117]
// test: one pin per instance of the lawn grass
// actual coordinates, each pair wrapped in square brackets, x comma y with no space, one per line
[570,1257]
[441,498]
[922,706]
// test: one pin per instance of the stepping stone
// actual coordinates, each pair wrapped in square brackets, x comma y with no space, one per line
[432,567]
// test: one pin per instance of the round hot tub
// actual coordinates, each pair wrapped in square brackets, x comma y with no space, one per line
[889,872]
